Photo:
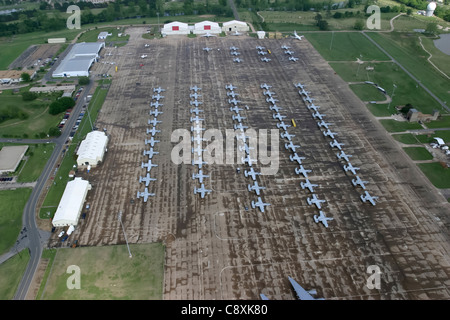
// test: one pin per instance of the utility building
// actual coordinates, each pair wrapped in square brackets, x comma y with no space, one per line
[175,28]
[92,149]
[207,27]
[71,204]
[235,26]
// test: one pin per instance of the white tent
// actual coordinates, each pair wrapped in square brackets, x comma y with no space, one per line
[71,204]
[439,141]
[235,25]
[175,28]
[92,149]
[207,27]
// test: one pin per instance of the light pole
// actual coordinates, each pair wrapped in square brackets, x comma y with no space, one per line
[123,229]
[159,30]
[392,96]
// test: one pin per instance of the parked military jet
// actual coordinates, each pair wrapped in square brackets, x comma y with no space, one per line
[158,90]
[196,119]
[278,116]
[150,153]
[336,144]
[255,187]
[303,171]
[233,101]
[291,146]
[315,200]
[195,110]
[293,59]
[322,218]
[145,194]
[154,122]
[287,135]
[260,204]
[151,141]
[265,86]
[155,112]
[251,173]
[236,109]
[360,182]
[195,95]
[153,131]
[199,176]
[230,87]
[296,36]
[295,157]
[195,88]
[201,190]
[146,179]
[149,165]
[248,160]
[156,104]
[308,185]
[195,103]
[238,117]
[157,96]
[330,134]
[344,156]
[351,168]
[283,125]
[367,197]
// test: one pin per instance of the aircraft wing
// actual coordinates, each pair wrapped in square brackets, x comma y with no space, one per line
[301,293]
[263,296]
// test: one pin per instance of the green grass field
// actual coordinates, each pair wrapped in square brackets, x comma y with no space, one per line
[38,119]
[11,272]
[107,273]
[386,74]
[399,126]
[345,46]
[12,203]
[367,92]
[438,175]
[443,134]
[406,138]
[408,52]
[418,153]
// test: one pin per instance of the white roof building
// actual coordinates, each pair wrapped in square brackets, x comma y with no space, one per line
[79,59]
[175,28]
[71,204]
[439,141]
[235,25]
[92,149]
[102,35]
[207,27]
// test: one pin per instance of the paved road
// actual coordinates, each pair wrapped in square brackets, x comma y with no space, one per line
[36,237]
[407,72]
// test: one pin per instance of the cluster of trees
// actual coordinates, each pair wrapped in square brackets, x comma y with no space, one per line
[36,20]
[61,105]
[12,112]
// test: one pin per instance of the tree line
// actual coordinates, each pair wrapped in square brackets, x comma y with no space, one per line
[38,20]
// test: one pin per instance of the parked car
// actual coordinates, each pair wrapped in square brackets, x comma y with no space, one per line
[61,234]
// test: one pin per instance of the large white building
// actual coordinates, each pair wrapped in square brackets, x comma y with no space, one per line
[235,25]
[71,204]
[92,149]
[175,28]
[207,27]
[79,60]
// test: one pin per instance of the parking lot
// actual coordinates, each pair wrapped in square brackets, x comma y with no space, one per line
[220,247]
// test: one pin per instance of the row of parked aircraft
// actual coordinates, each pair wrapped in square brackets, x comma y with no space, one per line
[244,147]
[348,167]
[197,150]
[289,53]
[263,53]
[234,52]
[289,145]
[151,152]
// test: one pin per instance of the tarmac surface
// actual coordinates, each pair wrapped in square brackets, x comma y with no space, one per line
[220,247]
